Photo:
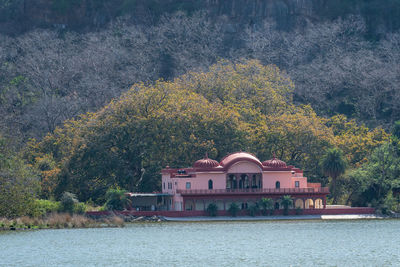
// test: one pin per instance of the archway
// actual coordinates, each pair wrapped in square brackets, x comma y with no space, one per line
[299,203]
[319,204]
[210,184]
[278,185]
[309,204]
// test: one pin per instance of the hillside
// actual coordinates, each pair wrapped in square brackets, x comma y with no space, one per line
[49,75]
[21,15]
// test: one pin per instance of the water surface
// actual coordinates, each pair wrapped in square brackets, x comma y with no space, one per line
[268,243]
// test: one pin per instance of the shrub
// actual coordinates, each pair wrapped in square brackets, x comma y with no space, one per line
[116,199]
[233,209]
[80,208]
[42,207]
[267,206]
[68,201]
[299,211]
[253,210]
[212,209]
[286,202]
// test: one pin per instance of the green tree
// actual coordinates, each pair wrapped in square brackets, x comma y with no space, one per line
[267,205]
[233,209]
[19,184]
[68,202]
[253,210]
[333,165]
[212,209]
[373,183]
[396,130]
[116,199]
[286,202]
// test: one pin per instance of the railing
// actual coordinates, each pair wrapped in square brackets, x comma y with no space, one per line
[253,191]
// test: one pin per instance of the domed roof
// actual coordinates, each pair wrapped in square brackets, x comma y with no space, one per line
[274,163]
[239,156]
[206,163]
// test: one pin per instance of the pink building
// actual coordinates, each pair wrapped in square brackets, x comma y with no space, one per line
[241,178]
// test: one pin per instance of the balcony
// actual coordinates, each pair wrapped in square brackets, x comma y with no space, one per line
[324,190]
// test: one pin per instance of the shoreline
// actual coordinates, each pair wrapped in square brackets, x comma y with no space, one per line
[122,221]
[279,218]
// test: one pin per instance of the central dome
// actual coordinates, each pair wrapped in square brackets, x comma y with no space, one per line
[274,163]
[239,156]
[206,163]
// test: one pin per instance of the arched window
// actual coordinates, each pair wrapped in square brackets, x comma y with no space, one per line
[254,181]
[278,185]
[210,184]
[234,182]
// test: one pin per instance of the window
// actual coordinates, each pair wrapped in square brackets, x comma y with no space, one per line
[188,185]
[254,182]
[210,184]
[297,184]
[164,185]
[169,185]
[278,185]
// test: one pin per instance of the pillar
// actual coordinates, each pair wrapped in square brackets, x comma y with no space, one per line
[324,199]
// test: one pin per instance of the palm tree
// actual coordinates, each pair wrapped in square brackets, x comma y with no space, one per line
[286,202]
[212,209]
[266,204]
[333,165]
[233,209]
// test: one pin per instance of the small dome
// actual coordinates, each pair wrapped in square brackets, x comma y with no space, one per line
[274,163]
[206,163]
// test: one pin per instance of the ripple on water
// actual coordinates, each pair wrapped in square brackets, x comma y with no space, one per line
[288,243]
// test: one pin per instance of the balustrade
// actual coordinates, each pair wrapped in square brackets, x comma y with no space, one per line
[254,191]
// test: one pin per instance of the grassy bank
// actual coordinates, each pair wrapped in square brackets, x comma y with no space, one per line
[59,221]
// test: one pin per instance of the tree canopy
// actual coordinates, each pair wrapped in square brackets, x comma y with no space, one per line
[234,106]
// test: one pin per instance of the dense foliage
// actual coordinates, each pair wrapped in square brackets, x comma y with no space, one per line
[18,183]
[233,106]
[116,199]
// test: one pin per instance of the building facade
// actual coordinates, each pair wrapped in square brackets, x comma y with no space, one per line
[241,178]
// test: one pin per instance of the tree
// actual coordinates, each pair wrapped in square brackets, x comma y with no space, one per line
[372,184]
[267,205]
[396,130]
[19,183]
[286,202]
[212,209]
[68,202]
[116,199]
[333,165]
[233,209]
[253,210]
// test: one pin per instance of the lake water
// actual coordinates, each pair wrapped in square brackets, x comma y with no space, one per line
[266,243]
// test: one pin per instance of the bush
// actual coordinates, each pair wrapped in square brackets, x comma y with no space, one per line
[233,209]
[267,205]
[212,209]
[80,208]
[253,210]
[68,201]
[116,199]
[42,207]
[299,211]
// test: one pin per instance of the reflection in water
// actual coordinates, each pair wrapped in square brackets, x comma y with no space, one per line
[283,243]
